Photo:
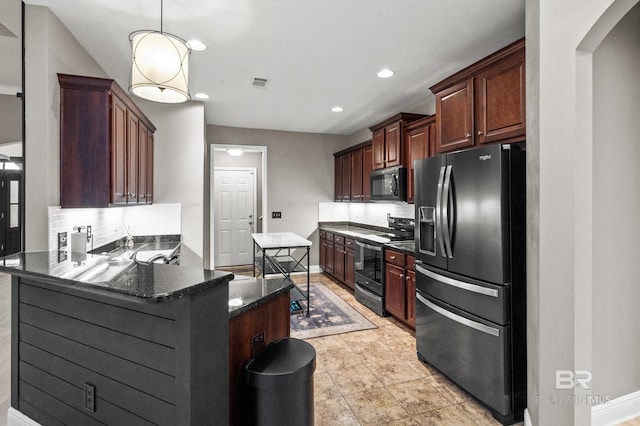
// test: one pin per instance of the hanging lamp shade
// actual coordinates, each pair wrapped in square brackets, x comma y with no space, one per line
[159,67]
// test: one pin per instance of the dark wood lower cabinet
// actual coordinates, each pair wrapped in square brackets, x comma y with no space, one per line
[400,286]
[337,257]
[249,333]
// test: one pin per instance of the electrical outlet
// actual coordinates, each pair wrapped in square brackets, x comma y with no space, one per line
[89,397]
[276,215]
[258,340]
[62,240]
[89,234]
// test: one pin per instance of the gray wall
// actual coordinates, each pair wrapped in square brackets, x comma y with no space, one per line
[49,49]
[300,174]
[11,47]
[616,200]
[10,119]
[563,286]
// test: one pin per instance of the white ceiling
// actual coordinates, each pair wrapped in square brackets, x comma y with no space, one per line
[317,54]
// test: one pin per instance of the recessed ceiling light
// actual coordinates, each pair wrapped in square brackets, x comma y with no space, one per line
[236,152]
[385,73]
[201,96]
[197,45]
[337,109]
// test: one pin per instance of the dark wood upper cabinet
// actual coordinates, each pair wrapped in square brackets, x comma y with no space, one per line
[357,178]
[367,167]
[352,168]
[419,143]
[388,140]
[106,152]
[483,103]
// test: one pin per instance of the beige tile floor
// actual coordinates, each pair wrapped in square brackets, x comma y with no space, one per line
[373,377]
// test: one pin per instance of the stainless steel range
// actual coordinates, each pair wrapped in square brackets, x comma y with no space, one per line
[370,262]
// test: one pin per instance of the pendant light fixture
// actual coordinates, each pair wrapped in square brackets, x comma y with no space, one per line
[159,66]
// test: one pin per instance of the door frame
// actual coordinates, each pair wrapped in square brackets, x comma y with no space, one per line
[255,199]
[209,229]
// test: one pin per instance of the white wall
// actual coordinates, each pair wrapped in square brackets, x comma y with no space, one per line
[11,47]
[49,49]
[561,303]
[616,201]
[178,168]
[300,173]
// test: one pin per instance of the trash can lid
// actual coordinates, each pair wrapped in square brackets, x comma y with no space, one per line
[291,358]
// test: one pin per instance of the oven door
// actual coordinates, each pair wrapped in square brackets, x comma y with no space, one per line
[368,267]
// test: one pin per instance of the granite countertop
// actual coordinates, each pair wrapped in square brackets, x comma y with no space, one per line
[375,234]
[245,293]
[144,248]
[152,283]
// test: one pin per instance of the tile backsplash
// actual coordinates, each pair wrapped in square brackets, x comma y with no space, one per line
[374,214]
[108,224]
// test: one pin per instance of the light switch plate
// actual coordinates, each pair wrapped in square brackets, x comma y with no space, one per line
[62,240]
[276,215]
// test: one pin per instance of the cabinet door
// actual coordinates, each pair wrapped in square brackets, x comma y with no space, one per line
[329,257]
[350,263]
[345,164]
[500,101]
[356,175]
[132,158]
[411,298]
[143,134]
[367,167]
[418,145]
[339,255]
[323,250]
[454,117]
[149,168]
[377,142]
[337,183]
[395,290]
[392,143]
[118,151]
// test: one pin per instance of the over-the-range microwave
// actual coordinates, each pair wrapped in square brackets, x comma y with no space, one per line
[389,184]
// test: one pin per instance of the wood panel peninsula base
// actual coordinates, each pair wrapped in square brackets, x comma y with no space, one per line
[151,345]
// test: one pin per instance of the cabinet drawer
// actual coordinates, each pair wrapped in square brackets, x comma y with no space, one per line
[350,243]
[394,257]
[339,239]
[329,236]
[322,234]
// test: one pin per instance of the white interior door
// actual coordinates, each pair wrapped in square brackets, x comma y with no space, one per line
[234,216]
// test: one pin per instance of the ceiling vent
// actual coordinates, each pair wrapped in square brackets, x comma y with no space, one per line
[259,82]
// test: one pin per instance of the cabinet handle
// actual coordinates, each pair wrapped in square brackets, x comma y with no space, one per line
[480,133]
[468,135]
[392,257]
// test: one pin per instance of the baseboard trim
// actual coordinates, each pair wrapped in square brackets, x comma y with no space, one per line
[16,418]
[527,418]
[616,411]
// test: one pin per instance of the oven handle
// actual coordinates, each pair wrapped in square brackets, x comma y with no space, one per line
[369,246]
[455,283]
[457,318]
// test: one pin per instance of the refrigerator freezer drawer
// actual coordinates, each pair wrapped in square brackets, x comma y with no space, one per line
[474,353]
[488,301]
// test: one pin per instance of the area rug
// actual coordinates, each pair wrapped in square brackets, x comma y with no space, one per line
[329,314]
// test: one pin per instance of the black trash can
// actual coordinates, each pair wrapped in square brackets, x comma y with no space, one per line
[280,381]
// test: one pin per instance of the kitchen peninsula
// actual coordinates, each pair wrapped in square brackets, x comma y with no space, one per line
[149,345]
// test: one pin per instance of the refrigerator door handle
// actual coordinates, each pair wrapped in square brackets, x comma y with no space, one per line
[457,318]
[446,227]
[438,217]
[455,283]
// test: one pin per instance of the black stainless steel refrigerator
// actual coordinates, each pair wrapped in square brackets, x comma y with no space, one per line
[470,273]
